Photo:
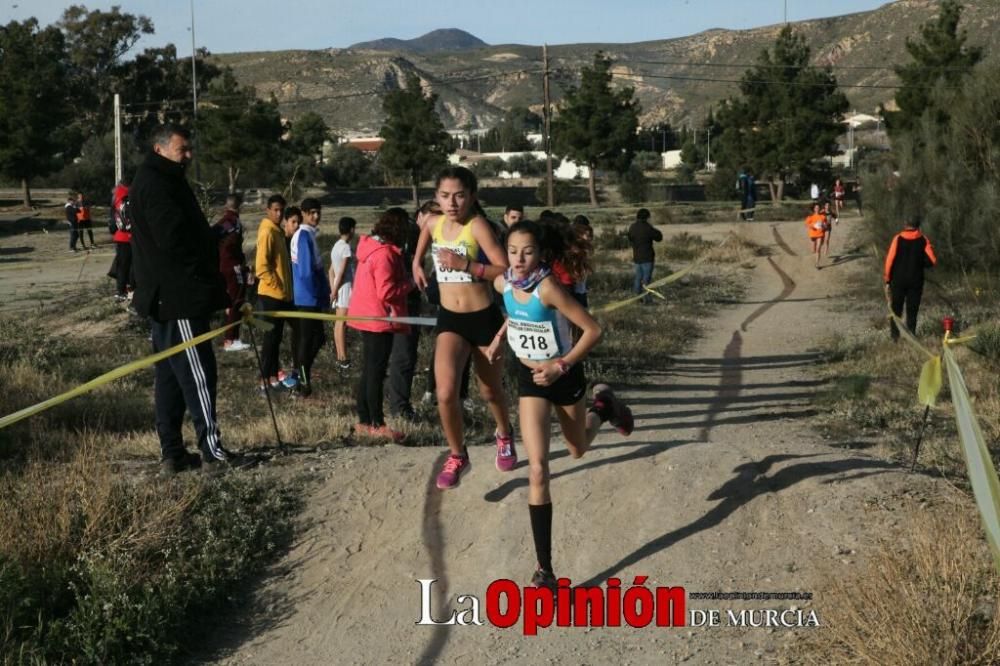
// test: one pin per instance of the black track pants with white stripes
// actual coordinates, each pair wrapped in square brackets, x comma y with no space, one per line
[186,381]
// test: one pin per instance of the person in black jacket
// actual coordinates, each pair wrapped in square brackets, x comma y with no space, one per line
[642,235]
[910,252]
[74,229]
[178,286]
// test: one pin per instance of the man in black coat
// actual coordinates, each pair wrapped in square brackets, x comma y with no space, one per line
[178,286]
[642,235]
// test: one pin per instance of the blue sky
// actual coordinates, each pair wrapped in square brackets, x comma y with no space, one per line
[262,25]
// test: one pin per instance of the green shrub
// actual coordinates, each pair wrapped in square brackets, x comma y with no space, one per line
[137,601]
[634,186]
[987,342]
[560,191]
[685,247]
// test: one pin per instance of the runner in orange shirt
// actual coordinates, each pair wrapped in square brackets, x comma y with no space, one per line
[816,226]
[83,220]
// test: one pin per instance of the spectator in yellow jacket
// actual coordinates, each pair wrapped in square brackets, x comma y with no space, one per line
[273,269]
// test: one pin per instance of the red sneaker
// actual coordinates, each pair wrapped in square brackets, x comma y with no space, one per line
[506,454]
[454,468]
[621,415]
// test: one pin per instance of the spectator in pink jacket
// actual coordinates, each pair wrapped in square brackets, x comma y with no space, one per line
[380,289]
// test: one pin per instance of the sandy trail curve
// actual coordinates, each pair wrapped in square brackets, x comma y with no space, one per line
[723,486]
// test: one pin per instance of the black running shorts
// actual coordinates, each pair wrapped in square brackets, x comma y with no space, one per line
[478,328]
[567,390]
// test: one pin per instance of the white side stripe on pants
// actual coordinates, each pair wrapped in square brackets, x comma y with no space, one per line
[201,384]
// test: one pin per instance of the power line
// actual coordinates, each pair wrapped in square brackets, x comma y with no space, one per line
[704,79]
[642,75]
[438,81]
[682,63]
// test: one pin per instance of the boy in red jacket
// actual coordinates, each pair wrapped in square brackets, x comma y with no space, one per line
[233,266]
[124,275]
[380,289]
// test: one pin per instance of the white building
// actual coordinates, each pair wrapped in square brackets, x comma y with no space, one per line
[671,159]
[566,169]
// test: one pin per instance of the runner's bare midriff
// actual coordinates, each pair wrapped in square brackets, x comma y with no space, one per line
[465,297]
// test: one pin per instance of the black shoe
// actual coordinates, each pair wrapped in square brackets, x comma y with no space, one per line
[218,466]
[546,579]
[344,365]
[182,463]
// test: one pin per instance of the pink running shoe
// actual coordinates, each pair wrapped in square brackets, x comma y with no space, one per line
[506,454]
[454,468]
[621,415]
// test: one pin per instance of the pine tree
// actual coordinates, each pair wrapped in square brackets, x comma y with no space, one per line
[940,55]
[786,116]
[596,125]
[33,110]
[239,131]
[415,141]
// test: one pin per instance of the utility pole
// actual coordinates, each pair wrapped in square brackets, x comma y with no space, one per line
[708,152]
[850,145]
[547,139]
[118,139]
[194,95]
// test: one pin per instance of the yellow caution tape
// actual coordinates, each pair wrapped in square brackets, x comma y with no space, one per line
[252,318]
[930,382]
[673,277]
[905,332]
[107,377]
[982,473]
[979,463]
[654,293]
[322,316]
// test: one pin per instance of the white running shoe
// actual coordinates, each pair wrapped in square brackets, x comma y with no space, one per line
[236,345]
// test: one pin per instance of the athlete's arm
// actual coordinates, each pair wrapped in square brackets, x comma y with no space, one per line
[337,278]
[495,351]
[483,234]
[554,296]
[418,257]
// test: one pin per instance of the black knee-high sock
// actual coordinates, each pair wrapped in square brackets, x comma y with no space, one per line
[541,530]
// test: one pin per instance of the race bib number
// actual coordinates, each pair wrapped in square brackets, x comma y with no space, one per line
[532,340]
[449,274]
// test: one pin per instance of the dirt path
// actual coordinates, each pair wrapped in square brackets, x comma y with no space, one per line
[36,266]
[723,487]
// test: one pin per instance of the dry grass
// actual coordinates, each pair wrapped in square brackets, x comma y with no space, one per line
[873,382]
[95,550]
[930,599]
[86,505]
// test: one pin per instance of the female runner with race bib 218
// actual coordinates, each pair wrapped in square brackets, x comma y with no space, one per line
[468,319]
[550,371]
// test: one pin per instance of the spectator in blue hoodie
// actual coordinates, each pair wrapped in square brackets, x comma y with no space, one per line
[311,291]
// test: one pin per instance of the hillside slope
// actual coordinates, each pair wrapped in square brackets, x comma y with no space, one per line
[676,80]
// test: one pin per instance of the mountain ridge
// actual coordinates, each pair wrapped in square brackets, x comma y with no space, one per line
[676,80]
[442,39]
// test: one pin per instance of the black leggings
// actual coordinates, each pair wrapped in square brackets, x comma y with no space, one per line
[311,340]
[123,268]
[376,349]
[910,294]
[270,353]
